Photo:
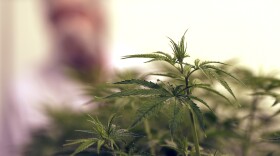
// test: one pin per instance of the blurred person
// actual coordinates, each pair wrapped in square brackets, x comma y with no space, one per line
[77,33]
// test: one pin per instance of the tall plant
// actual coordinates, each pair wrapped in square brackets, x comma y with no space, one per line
[179,97]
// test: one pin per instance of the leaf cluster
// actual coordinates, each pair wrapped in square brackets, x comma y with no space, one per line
[180,95]
[104,136]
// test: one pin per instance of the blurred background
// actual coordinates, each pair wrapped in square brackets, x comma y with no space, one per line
[247,30]
[45,42]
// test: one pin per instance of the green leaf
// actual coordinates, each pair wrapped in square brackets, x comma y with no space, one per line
[98,127]
[197,113]
[182,44]
[183,47]
[165,54]
[177,90]
[205,73]
[148,109]
[199,85]
[99,144]
[170,75]
[110,123]
[85,131]
[187,68]
[196,63]
[221,81]
[224,72]
[174,47]
[86,144]
[216,92]
[176,118]
[73,142]
[201,101]
[179,50]
[153,57]
[210,62]
[141,82]
[137,92]
[172,62]
[143,56]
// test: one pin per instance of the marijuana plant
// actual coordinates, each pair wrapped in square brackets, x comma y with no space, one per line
[180,97]
[250,127]
[105,136]
[262,88]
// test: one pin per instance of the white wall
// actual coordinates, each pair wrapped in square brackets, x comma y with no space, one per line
[218,29]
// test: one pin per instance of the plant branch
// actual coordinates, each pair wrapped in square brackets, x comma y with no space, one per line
[194,132]
[189,74]
[250,128]
[192,117]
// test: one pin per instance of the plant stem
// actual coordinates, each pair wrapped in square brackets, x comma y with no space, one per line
[182,68]
[149,134]
[194,133]
[193,119]
[250,128]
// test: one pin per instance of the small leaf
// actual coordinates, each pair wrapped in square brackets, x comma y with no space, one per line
[178,50]
[201,101]
[199,85]
[210,62]
[183,45]
[205,73]
[84,146]
[99,144]
[187,68]
[196,63]
[177,90]
[174,47]
[110,122]
[222,82]
[85,131]
[73,142]
[224,72]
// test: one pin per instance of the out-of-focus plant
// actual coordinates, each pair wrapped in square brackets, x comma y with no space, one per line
[260,116]
[63,122]
[250,126]
[103,136]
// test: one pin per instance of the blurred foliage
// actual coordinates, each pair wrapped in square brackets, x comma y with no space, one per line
[251,129]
